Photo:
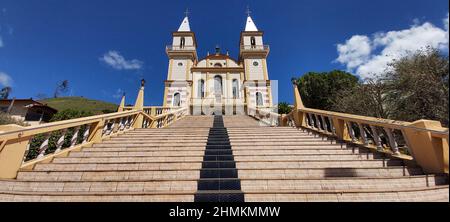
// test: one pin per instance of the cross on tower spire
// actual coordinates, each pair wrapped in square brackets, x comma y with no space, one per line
[186,13]
[248,12]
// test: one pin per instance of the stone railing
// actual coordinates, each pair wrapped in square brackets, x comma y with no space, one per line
[23,147]
[154,110]
[164,119]
[424,141]
[255,47]
[265,115]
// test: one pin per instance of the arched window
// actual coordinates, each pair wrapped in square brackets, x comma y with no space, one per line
[218,85]
[201,88]
[259,99]
[182,42]
[176,99]
[218,65]
[253,41]
[235,86]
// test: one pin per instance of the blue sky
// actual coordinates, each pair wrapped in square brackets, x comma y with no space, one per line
[44,42]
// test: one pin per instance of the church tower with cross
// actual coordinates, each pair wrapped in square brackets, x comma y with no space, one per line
[217,83]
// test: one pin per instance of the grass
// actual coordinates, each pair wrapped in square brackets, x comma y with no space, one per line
[80,104]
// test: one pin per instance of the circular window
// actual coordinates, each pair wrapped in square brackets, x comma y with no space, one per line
[255,63]
[180,64]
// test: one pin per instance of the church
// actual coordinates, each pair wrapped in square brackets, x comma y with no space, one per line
[217,83]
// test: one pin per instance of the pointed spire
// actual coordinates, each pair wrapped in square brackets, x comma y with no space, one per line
[250,25]
[184,27]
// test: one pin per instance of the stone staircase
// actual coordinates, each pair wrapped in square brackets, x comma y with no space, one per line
[229,158]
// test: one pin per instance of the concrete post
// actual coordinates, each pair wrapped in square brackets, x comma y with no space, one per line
[431,153]
[122,104]
[139,105]
[299,116]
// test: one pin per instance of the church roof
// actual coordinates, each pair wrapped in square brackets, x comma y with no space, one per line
[250,25]
[184,27]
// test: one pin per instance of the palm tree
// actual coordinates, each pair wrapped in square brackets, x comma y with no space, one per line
[4,93]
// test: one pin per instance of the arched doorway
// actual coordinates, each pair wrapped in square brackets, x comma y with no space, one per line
[177,99]
[201,88]
[235,86]
[218,85]
[259,99]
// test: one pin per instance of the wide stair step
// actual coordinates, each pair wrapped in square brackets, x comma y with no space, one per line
[224,159]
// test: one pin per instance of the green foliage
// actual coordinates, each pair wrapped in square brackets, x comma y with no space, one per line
[319,89]
[70,114]
[414,87]
[284,108]
[54,136]
[418,86]
[96,107]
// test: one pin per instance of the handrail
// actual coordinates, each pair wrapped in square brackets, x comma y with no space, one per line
[24,147]
[373,120]
[267,117]
[66,123]
[405,140]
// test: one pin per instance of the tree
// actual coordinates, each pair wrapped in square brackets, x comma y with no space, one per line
[366,99]
[62,87]
[319,89]
[284,108]
[418,86]
[4,93]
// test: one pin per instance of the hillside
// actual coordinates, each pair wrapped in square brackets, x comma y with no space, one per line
[81,104]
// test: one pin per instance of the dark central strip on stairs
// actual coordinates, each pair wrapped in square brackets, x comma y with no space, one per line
[219,180]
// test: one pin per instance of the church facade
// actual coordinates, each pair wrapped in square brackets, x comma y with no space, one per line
[217,83]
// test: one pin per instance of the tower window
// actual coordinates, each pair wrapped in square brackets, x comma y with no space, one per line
[253,42]
[180,64]
[182,42]
[255,63]
[218,65]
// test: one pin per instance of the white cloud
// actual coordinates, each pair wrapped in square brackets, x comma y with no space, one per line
[5,79]
[118,94]
[355,51]
[368,56]
[117,61]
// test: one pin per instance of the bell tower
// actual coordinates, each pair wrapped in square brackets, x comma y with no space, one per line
[182,55]
[253,54]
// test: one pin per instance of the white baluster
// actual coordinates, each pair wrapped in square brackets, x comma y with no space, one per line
[351,131]
[73,141]
[60,140]
[44,146]
[105,128]
[86,133]
[376,138]
[324,124]
[392,142]
[319,124]
[333,130]
[363,134]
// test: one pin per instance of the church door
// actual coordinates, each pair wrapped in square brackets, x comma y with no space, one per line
[176,99]
[218,88]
